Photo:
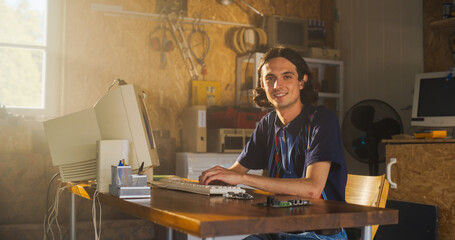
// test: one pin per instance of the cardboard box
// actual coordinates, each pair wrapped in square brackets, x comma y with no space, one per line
[194,129]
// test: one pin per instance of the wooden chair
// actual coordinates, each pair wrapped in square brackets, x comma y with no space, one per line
[368,191]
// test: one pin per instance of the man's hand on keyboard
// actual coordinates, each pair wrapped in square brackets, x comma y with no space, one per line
[187,185]
[219,183]
[219,174]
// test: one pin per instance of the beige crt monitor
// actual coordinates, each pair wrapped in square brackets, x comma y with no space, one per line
[122,114]
[119,115]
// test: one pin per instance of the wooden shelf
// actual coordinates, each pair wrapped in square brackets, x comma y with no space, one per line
[445,25]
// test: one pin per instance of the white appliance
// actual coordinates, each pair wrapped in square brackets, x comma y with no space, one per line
[191,165]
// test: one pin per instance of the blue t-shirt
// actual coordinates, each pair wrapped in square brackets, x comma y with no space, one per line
[313,136]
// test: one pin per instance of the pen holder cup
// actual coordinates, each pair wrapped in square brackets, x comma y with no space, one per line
[138,180]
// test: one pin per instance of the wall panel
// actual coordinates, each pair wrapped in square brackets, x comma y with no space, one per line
[382,46]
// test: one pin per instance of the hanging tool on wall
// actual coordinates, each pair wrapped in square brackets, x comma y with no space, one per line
[177,31]
[163,43]
[199,42]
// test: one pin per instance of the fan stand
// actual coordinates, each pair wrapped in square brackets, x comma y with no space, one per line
[373,162]
[374,166]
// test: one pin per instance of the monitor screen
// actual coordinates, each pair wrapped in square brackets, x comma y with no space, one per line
[290,33]
[434,100]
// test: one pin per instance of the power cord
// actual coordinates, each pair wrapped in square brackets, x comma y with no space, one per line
[52,214]
[46,203]
[203,45]
[96,199]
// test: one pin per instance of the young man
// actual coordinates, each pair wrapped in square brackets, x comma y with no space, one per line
[298,143]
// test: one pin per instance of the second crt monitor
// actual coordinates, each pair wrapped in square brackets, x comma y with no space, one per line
[434,100]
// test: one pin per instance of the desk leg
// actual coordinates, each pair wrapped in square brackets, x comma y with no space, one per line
[367,232]
[73,217]
[170,234]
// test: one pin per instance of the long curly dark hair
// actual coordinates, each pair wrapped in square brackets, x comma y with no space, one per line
[308,94]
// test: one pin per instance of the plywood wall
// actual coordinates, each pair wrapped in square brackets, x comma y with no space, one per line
[100,47]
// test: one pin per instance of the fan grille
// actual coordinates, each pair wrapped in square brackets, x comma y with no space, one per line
[365,125]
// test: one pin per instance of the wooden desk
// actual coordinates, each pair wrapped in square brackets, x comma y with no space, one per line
[213,216]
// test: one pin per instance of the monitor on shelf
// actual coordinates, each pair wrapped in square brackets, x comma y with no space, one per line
[287,31]
[434,100]
[119,115]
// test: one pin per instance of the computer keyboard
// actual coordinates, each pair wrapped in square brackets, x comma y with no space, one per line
[178,183]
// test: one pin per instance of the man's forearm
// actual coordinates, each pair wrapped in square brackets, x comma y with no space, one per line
[301,187]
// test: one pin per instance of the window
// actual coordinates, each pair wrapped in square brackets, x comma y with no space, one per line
[29,56]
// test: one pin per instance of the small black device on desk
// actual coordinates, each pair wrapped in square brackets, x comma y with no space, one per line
[273,202]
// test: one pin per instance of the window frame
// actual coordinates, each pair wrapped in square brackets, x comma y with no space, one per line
[52,65]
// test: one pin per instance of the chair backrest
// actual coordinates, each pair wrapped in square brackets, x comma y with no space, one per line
[367,191]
